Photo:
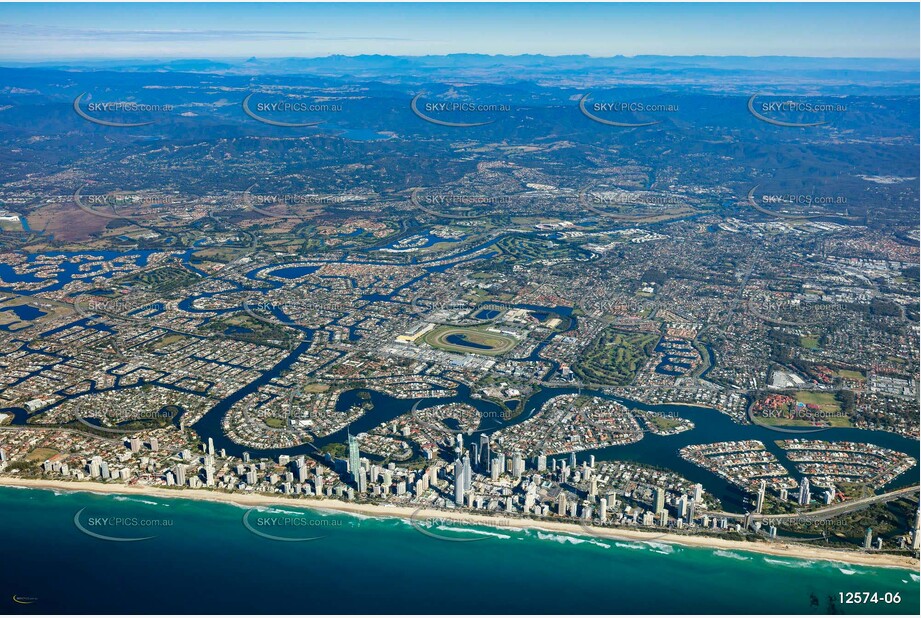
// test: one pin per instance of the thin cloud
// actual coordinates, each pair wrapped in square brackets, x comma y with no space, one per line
[29,32]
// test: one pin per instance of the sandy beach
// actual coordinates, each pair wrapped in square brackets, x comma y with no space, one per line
[789,550]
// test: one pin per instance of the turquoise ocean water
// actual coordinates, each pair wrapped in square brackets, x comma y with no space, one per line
[201,557]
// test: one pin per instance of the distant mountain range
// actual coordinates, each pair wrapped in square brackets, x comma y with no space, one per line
[892,75]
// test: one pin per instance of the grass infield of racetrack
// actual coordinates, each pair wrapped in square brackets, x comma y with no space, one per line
[497,343]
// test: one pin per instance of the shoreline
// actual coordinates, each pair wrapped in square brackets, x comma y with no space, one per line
[787,550]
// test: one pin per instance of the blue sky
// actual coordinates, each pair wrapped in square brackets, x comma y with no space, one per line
[40,31]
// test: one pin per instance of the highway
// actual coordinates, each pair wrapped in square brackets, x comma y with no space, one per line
[828,511]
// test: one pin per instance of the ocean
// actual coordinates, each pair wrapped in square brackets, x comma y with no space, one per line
[88,553]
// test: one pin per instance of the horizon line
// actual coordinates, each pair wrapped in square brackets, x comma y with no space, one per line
[246,58]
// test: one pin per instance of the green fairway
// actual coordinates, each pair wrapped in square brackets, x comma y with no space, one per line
[826,401]
[615,357]
[810,342]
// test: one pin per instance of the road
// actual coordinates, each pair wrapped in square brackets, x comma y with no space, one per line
[828,511]
[848,506]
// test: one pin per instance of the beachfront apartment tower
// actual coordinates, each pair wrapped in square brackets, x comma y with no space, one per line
[354,461]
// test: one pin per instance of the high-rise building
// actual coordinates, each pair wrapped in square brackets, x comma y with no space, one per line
[354,458]
[95,466]
[683,506]
[759,505]
[916,533]
[868,539]
[211,446]
[468,473]
[698,492]
[517,465]
[572,459]
[458,482]
[805,497]
[134,444]
[541,462]
[154,444]
[529,498]
[179,471]
[660,500]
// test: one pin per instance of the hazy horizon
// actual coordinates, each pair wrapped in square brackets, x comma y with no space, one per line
[33,32]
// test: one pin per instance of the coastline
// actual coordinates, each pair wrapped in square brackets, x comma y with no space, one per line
[801,552]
